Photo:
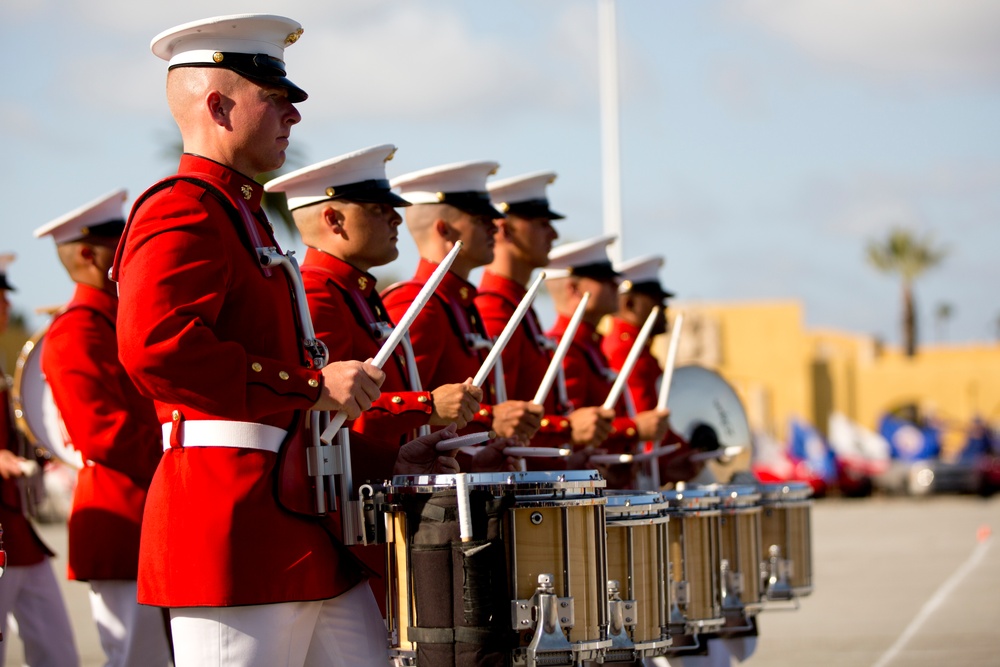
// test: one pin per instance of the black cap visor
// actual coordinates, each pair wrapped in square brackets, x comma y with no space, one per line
[473,203]
[596,271]
[259,68]
[535,208]
[650,288]
[374,191]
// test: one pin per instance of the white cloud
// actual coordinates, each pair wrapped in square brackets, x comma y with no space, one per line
[940,41]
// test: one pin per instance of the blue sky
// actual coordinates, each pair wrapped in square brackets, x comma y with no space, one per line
[763,142]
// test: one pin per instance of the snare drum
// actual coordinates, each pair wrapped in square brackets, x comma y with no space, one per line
[786,531]
[638,559]
[696,593]
[739,552]
[454,603]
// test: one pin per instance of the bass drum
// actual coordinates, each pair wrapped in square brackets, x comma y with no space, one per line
[707,413]
[35,410]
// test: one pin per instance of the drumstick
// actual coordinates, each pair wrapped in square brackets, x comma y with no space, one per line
[464,441]
[423,296]
[612,458]
[656,453]
[668,367]
[508,331]
[560,353]
[464,514]
[530,452]
[630,360]
[716,453]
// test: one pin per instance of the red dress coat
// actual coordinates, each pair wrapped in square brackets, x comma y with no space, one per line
[588,382]
[525,359]
[345,309]
[111,425]
[616,345]
[23,545]
[208,334]
[439,333]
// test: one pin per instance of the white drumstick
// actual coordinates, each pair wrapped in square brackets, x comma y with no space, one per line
[508,331]
[612,458]
[557,358]
[668,367]
[656,453]
[464,513]
[530,452]
[716,453]
[423,296]
[464,441]
[630,360]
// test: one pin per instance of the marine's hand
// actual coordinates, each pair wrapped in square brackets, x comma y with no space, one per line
[420,456]
[349,387]
[455,403]
[590,426]
[652,425]
[517,419]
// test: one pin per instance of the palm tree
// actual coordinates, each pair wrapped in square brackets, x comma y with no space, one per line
[904,253]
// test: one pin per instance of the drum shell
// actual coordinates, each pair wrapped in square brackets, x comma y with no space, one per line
[549,523]
[786,522]
[694,559]
[637,523]
[740,542]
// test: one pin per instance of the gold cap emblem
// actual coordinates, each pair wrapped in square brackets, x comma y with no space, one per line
[293,37]
[217,56]
[503,206]
[330,191]
[362,282]
[247,191]
[493,170]
[440,196]
[390,155]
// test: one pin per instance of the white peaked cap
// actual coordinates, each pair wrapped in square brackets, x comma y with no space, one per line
[459,184]
[524,195]
[222,40]
[642,274]
[356,176]
[101,217]
[643,269]
[584,258]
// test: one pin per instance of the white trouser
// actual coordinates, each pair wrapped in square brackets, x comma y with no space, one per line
[131,634]
[31,595]
[345,631]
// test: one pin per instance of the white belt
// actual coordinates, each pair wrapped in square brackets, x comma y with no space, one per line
[219,433]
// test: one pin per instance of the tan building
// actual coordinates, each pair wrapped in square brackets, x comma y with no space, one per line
[782,370]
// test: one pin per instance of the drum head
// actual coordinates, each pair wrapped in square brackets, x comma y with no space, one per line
[35,410]
[705,410]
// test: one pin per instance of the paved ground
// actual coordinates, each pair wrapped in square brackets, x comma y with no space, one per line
[885,568]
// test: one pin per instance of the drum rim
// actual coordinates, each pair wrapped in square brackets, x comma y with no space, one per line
[585,482]
[785,491]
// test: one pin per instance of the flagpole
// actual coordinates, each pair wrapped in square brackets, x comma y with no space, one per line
[610,153]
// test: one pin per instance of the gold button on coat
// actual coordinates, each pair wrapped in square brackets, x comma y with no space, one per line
[283,375]
[257,367]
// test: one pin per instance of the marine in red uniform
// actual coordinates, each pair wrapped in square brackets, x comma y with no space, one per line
[212,337]
[522,244]
[345,212]
[348,233]
[28,588]
[450,203]
[639,293]
[112,426]
[575,269]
